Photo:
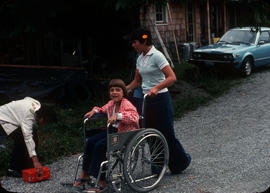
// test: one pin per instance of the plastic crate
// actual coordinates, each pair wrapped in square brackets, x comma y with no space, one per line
[30,175]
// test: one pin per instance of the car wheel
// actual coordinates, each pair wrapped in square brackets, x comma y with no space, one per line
[247,66]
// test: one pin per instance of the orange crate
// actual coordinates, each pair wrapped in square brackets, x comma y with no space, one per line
[30,175]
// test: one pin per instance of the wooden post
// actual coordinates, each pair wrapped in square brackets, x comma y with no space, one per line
[208,22]
[224,16]
[175,43]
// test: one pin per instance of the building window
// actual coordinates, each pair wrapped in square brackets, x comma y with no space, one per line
[161,14]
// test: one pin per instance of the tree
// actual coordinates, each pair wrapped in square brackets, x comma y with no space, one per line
[257,13]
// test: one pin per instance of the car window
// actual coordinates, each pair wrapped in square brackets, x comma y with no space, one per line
[239,36]
[265,37]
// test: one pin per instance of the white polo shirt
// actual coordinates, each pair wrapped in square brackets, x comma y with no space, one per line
[150,68]
[21,113]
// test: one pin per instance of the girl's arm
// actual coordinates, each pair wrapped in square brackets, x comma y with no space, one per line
[97,110]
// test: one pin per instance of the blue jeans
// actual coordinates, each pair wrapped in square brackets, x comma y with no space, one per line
[94,153]
[159,115]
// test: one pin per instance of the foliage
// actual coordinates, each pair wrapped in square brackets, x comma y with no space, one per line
[216,84]
[39,16]
[180,69]
[182,106]
[258,13]
[213,82]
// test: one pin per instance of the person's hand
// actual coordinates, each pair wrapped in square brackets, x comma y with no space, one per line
[152,92]
[90,114]
[39,169]
[112,119]
[37,166]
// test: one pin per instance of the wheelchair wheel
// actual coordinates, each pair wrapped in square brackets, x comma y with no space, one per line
[145,160]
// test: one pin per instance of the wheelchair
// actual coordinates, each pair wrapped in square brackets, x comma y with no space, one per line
[136,159]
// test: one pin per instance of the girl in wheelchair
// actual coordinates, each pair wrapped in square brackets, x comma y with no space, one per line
[122,115]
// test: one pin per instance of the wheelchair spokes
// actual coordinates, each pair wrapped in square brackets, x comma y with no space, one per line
[145,160]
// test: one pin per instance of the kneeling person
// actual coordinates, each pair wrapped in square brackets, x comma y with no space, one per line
[19,120]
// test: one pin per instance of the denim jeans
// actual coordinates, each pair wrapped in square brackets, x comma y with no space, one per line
[159,115]
[94,153]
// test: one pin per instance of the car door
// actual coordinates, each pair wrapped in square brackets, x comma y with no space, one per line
[262,51]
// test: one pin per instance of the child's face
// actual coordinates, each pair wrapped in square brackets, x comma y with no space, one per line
[116,94]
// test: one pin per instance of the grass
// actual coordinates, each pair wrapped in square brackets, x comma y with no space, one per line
[65,137]
[214,83]
[182,106]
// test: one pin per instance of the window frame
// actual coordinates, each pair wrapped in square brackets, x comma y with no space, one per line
[267,32]
[163,13]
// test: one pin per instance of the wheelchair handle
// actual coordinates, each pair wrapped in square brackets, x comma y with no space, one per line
[144,97]
[86,119]
[108,116]
[142,120]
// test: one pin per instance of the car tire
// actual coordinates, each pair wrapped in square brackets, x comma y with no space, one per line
[247,67]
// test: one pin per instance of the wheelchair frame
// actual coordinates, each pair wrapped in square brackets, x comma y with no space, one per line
[143,152]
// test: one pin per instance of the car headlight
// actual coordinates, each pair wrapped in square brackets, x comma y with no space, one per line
[228,57]
[196,55]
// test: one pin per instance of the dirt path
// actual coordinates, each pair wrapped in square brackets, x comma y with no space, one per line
[229,141]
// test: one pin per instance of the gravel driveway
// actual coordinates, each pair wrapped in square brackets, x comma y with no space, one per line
[227,139]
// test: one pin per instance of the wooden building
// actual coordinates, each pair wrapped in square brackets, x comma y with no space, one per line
[193,21]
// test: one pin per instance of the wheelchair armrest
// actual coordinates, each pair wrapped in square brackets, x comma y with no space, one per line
[94,129]
[96,116]
[99,116]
